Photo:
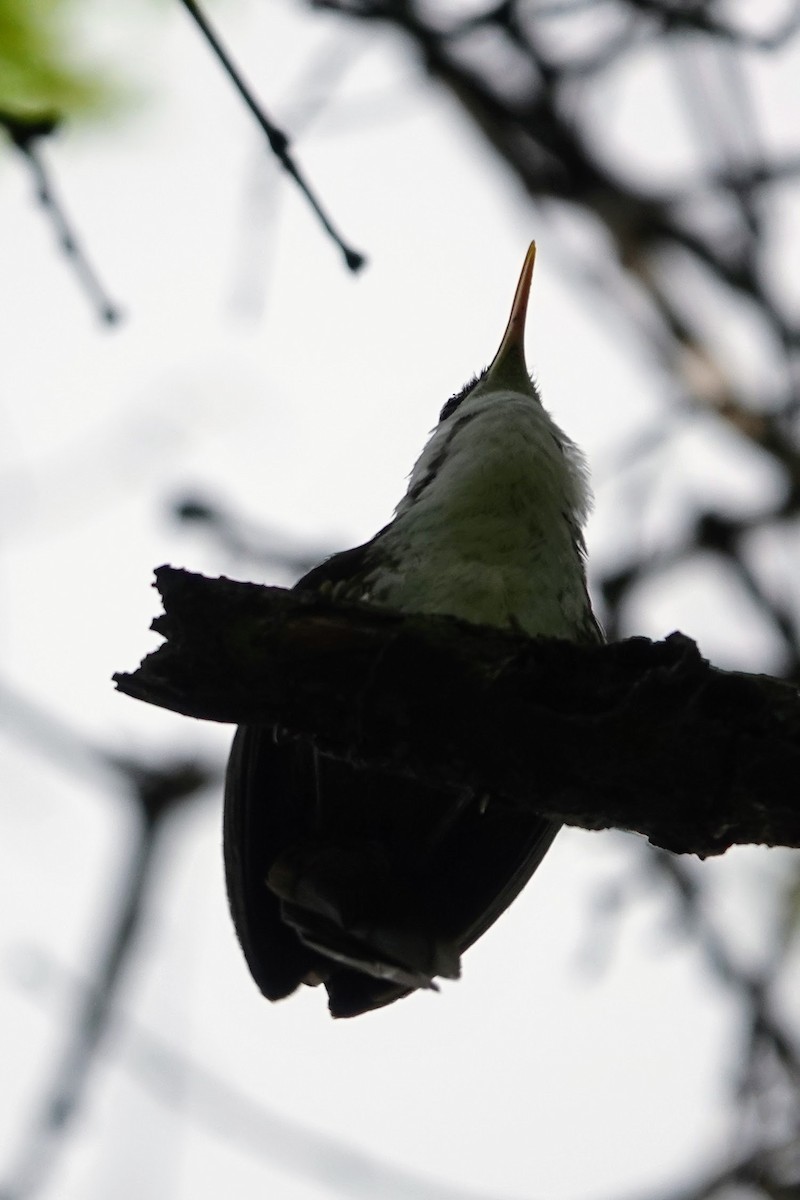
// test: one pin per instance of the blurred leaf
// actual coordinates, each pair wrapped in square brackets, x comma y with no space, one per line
[40,68]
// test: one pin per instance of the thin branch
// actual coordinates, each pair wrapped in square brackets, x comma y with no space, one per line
[637,735]
[278,141]
[25,132]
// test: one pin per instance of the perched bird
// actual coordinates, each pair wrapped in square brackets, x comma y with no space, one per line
[374,884]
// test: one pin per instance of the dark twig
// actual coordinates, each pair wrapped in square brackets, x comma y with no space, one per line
[278,141]
[26,132]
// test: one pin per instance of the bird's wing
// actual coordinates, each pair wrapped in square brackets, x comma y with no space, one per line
[371,883]
[265,810]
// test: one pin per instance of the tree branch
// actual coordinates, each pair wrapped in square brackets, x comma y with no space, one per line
[26,131]
[277,139]
[638,735]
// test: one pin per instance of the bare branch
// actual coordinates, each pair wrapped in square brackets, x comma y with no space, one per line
[26,132]
[278,141]
[637,735]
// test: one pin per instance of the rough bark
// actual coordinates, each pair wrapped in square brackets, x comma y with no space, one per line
[638,735]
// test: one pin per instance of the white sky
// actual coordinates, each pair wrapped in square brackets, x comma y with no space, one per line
[534,1076]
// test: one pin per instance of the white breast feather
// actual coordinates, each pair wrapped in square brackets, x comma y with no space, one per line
[489,529]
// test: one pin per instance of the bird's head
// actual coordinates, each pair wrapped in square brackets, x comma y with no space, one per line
[508,371]
[496,450]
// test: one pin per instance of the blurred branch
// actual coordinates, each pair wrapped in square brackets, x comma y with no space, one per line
[26,131]
[766,1159]
[167,1072]
[155,792]
[717,533]
[262,546]
[278,141]
[63,1094]
[636,735]
[751,986]
[697,16]
[762,1170]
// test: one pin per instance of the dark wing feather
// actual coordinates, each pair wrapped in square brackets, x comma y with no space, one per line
[265,798]
[391,878]
[373,883]
[340,572]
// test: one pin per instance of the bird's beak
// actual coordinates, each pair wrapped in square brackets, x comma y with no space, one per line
[508,370]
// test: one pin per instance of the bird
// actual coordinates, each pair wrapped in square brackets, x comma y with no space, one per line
[371,884]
